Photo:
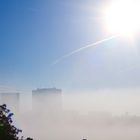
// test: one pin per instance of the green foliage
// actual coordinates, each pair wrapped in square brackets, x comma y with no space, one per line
[7,130]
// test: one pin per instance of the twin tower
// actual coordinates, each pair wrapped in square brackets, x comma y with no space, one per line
[41,100]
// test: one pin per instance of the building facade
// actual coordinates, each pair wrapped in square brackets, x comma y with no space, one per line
[11,99]
[47,100]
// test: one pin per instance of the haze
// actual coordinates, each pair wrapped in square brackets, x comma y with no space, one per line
[65,74]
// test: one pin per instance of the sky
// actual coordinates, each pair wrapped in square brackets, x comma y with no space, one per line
[35,33]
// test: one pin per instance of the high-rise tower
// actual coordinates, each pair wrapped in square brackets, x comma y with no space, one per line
[11,99]
[47,100]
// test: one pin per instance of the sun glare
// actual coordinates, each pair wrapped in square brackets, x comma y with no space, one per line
[122,17]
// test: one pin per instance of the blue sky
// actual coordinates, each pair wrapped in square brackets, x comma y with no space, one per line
[34,33]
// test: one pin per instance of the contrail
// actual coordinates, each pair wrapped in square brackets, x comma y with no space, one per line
[83,48]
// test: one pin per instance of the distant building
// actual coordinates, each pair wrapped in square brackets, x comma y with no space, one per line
[11,100]
[47,100]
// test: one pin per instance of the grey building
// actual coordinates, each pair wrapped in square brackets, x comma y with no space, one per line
[47,100]
[11,99]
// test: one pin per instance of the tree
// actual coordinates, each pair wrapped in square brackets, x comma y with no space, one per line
[7,130]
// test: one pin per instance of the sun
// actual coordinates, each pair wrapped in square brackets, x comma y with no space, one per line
[122,17]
